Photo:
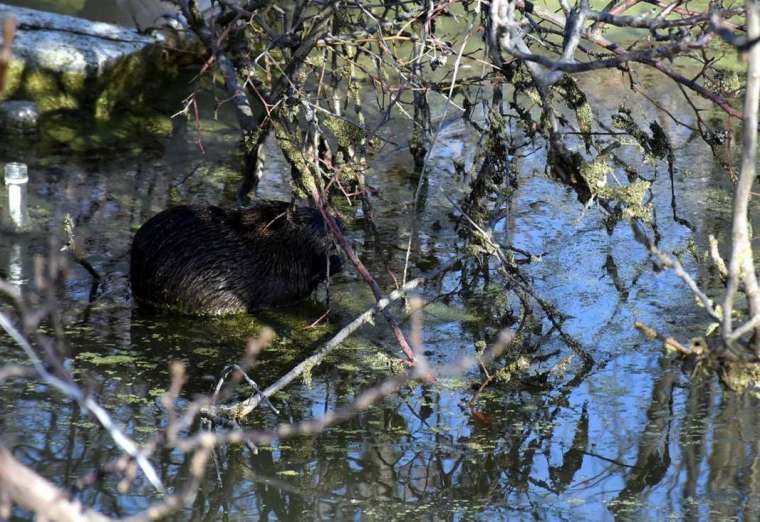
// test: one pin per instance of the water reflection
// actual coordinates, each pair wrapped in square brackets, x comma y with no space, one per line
[15,266]
[630,438]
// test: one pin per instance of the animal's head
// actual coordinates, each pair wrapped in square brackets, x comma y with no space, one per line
[311,224]
[298,236]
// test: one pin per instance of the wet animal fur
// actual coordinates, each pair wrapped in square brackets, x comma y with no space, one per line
[211,261]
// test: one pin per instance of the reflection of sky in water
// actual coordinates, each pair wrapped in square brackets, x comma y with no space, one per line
[420,450]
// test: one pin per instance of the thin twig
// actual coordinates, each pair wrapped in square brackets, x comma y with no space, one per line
[9,32]
[86,402]
[244,408]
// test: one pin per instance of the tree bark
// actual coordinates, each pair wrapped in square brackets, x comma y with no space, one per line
[741,268]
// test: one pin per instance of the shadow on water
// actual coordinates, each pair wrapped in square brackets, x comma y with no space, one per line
[632,438]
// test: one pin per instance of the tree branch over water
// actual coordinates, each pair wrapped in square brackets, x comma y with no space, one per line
[324,80]
[23,486]
[741,265]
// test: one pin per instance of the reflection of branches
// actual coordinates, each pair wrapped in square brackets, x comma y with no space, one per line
[275,61]
[244,408]
[518,281]
[22,485]
[653,460]
[674,264]
[740,273]
[679,33]
[65,385]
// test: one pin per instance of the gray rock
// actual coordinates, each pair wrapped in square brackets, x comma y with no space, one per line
[66,63]
[61,43]
[19,116]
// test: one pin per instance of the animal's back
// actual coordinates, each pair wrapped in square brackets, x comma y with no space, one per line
[207,260]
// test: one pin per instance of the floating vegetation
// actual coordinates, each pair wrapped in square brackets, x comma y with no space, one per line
[106,360]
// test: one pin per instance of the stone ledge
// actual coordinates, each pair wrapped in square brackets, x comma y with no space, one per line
[65,63]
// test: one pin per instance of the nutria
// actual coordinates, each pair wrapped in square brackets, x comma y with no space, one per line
[211,261]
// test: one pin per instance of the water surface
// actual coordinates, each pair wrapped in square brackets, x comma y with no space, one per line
[632,437]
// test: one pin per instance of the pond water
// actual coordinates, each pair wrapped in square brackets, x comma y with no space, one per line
[632,437]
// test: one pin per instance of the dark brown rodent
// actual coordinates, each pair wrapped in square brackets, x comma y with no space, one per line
[211,261]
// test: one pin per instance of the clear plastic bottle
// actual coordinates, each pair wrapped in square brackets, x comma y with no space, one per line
[16,181]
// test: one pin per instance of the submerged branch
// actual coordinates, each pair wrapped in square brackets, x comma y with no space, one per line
[364,273]
[243,409]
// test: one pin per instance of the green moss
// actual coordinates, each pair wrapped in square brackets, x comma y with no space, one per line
[518,366]
[585,116]
[631,197]
[595,173]
[446,313]
[454,383]
[106,360]
[80,133]
[503,375]
[576,99]
[130,398]
[533,95]
[57,102]
[303,182]
[205,352]
[125,79]
[73,83]
[103,106]
[153,124]
[346,133]
[381,362]
[14,75]
[656,146]
[39,85]
[346,367]
[742,377]
[307,369]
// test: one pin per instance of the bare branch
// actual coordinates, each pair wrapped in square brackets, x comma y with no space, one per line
[244,408]
[741,265]
[86,402]
[35,493]
[674,264]
[9,32]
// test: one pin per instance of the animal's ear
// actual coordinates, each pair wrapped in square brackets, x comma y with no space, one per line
[309,217]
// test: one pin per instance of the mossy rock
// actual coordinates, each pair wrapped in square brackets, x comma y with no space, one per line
[65,63]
